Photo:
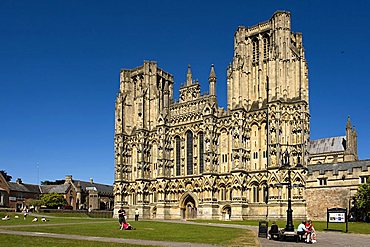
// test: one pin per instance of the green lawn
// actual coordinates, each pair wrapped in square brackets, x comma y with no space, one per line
[26,241]
[147,230]
[28,221]
[353,227]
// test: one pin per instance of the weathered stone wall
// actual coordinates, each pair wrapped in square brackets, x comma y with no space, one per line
[319,199]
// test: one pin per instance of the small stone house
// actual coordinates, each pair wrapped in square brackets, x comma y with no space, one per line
[85,195]
[78,194]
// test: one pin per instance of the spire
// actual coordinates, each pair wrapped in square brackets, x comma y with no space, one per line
[189,77]
[212,81]
[348,125]
[212,74]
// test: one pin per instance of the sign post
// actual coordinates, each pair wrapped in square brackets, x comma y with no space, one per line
[336,215]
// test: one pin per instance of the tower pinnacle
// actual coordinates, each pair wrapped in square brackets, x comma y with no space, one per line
[212,81]
[189,77]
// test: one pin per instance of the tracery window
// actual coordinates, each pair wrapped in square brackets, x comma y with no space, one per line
[255,47]
[201,152]
[177,147]
[189,153]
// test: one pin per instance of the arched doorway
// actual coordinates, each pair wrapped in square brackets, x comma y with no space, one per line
[188,207]
[226,212]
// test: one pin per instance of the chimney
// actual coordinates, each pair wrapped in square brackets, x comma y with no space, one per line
[18,181]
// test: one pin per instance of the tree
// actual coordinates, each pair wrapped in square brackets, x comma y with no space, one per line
[53,200]
[5,175]
[362,198]
[35,203]
[56,182]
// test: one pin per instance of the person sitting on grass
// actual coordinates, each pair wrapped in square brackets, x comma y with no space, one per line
[43,219]
[35,219]
[127,226]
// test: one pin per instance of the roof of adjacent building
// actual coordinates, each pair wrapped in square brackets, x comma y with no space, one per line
[344,166]
[60,188]
[327,145]
[31,188]
[101,188]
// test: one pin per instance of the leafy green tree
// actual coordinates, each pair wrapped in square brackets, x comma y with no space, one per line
[35,203]
[56,182]
[5,175]
[53,200]
[362,198]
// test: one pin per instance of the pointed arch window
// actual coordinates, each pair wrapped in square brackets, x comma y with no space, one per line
[201,152]
[177,150]
[189,153]
[256,196]
[256,50]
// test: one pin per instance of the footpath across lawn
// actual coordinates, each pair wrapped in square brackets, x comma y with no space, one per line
[146,230]
[353,227]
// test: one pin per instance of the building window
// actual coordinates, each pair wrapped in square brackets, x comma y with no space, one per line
[223,194]
[255,194]
[323,181]
[201,152]
[177,146]
[189,153]
[255,51]
[363,179]
[265,193]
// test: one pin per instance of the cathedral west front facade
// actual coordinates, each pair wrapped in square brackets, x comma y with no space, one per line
[189,158]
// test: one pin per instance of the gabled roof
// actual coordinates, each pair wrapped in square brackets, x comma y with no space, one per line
[101,188]
[30,188]
[327,145]
[60,188]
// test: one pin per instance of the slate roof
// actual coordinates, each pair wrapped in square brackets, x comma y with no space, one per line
[327,145]
[344,166]
[31,188]
[101,188]
[60,188]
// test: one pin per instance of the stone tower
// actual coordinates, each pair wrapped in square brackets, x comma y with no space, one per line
[269,79]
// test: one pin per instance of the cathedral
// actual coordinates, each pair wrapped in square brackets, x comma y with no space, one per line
[188,158]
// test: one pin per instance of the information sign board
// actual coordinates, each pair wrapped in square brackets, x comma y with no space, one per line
[337,217]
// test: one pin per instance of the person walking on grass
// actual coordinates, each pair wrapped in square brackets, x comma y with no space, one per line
[136,214]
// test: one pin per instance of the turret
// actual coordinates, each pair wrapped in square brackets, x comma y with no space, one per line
[349,135]
[351,142]
[212,81]
[189,77]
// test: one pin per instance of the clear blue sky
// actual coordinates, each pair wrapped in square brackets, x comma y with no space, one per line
[60,63]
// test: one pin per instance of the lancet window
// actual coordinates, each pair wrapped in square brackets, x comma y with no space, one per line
[201,152]
[177,150]
[189,153]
